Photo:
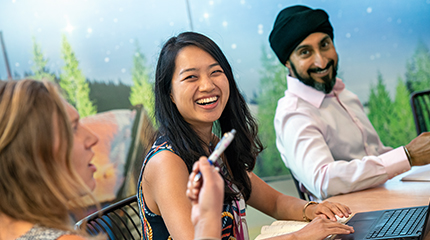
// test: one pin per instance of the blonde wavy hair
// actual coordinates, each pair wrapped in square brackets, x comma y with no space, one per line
[38,183]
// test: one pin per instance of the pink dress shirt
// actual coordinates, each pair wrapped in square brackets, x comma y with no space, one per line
[329,144]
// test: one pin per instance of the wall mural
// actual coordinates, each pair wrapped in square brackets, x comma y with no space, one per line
[108,49]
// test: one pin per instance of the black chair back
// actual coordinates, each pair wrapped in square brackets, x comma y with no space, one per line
[302,195]
[118,221]
[420,103]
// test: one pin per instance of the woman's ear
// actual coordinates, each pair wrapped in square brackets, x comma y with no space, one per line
[171,97]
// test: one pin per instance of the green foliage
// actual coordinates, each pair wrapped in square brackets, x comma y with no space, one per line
[402,127]
[73,82]
[101,94]
[418,69]
[273,83]
[142,91]
[39,68]
[381,109]
[392,120]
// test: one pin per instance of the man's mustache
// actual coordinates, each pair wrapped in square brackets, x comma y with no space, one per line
[314,70]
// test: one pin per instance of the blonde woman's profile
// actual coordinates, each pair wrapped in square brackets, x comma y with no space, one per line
[45,162]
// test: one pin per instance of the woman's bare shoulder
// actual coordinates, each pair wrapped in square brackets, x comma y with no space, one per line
[166,162]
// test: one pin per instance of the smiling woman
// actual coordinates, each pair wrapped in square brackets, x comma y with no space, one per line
[195,90]
[199,86]
[45,162]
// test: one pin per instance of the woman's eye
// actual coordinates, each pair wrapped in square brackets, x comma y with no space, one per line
[190,77]
[217,71]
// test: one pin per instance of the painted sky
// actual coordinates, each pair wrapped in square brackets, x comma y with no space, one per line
[370,35]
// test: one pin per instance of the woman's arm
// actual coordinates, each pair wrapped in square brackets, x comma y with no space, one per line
[164,185]
[283,207]
[273,203]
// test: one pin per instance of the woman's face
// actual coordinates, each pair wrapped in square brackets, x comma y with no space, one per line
[82,154]
[200,89]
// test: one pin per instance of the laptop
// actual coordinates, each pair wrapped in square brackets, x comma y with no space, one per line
[400,223]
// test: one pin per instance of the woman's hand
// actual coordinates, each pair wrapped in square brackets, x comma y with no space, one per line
[206,196]
[327,210]
[320,228]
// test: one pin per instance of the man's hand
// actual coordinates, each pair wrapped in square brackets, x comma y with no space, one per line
[419,149]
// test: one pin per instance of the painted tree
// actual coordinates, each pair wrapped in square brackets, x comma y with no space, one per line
[40,71]
[402,127]
[381,110]
[73,82]
[273,83]
[418,69]
[142,91]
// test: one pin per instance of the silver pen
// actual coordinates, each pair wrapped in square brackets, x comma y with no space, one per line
[219,149]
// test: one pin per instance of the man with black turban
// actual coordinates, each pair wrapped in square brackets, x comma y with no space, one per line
[322,132]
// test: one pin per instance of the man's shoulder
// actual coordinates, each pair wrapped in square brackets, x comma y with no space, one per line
[288,101]
[291,102]
[349,97]
[293,108]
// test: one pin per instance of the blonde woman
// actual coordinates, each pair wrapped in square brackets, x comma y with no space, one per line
[45,162]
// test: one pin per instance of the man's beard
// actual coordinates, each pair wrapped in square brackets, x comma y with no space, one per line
[324,87]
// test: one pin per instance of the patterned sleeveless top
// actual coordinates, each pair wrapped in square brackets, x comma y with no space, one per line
[233,216]
[43,233]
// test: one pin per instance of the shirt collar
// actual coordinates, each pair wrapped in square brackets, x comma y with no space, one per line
[310,94]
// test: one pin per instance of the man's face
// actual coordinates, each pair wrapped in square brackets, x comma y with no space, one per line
[314,62]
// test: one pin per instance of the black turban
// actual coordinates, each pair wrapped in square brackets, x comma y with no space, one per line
[293,25]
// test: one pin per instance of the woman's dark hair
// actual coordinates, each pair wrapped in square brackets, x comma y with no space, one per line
[241,154]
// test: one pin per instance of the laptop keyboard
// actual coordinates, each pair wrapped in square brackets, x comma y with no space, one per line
[398,222]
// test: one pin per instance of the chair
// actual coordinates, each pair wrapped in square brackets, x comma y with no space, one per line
[119,220]
[420,103]
[302,195]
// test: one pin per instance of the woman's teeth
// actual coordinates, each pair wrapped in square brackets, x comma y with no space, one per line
[205,101]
